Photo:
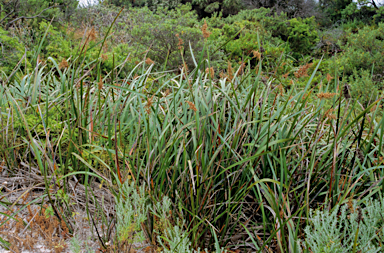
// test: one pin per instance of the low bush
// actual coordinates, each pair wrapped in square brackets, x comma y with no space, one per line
[166,34]
[363,87]
[11,51]
[302,36]
[349,227]
[364,49]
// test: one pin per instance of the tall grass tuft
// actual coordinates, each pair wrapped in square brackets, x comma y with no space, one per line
[240,157]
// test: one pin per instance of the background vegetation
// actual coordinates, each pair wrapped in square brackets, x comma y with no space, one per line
[188,125]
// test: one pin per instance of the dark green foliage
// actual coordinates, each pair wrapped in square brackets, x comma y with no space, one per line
[11,52]
[302,35]
[379,16]
[204,8]
[363,87]
[226,7]
[334,8]
[361,13]
[12,11]
[364,50]
[56,43]
[152,4]
[166,34]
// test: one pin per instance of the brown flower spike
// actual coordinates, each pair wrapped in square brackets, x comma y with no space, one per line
[230,71]
[181,42]
[206,34]
[329,114]
[303,70]
[148,61]
[192,106]
[256,54]
[210,71]
[92,34]
[326,95]
[63,64]
[100,84]
[149,105]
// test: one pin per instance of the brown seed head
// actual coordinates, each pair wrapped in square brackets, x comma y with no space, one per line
[303,70]
[256,54]
[100,83]
[180,43]
[105,48]
[92,34]
[329,78]
[329,115]
[350,206]
[185,67]
[148,61]
[149,105]
[230,71]
[210,72]
[281,89]
[192,106]
[167,92]
[257,69]
[242,67]
[292,102]
[326,95]
[104,57]
[206,33]
[63,64]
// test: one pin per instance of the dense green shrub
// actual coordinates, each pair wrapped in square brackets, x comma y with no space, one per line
[166,34]
[11,51]
[56,44]
[246,41]
[379,16]
[152,4]
[333,8]
[364,50]
[227,7]
[13,11]
[203,8]
[363,87]
[242,34]
[302,35]
[362,11]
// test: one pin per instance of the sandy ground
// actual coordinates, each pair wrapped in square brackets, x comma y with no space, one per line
[41,231]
